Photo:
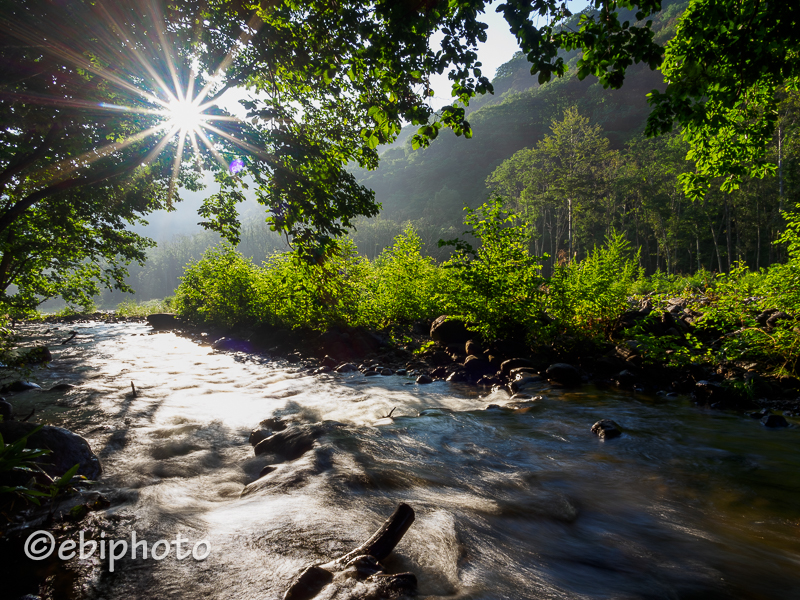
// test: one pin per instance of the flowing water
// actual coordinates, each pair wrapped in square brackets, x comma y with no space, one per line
[509,504]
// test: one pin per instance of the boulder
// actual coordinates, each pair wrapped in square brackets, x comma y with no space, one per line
[424,379]
[774,421]
[346,368]
[226,344]
[161,321]
[519,385]
[564,374]
[446,331]
[31,356]
[515,363]
[20,386]
[291,443]
[477,366]
[473,348]
[606,429]
[774,318]
[67,448]
[625,379]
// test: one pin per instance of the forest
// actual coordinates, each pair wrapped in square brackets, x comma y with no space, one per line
[540,341]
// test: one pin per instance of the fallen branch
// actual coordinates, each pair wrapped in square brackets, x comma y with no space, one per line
[364,558]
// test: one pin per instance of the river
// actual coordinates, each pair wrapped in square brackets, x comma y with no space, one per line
[517,504]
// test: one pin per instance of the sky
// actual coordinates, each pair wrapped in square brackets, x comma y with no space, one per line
[498,49]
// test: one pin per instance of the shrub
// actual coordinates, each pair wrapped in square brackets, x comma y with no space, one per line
[587,296]
[496,289]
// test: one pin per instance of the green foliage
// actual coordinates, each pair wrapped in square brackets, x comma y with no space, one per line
[727,66]
[587,296]
[220,288]
[130,308]
[15,458]
[496,288]
[403,283]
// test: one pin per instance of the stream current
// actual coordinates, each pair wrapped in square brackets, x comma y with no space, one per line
[515,504]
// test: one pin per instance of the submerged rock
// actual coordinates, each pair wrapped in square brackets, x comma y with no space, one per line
[606,429]
[290,443]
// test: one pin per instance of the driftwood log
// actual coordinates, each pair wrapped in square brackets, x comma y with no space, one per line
[363,562]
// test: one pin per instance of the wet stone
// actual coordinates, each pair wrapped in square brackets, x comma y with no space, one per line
[774,421]
[606,429]
[346,368]
[387,372]
[308,584]
[290,443]
[424,379]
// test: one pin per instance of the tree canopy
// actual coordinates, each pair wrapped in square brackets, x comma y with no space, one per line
[110,107]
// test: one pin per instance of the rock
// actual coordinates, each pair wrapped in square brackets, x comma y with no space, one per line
[477,366]
[715,395]
[346,368]
[473,348]
[764,316]
[20,386]
[32,356]
[606,429]
[291,443]
[488,381]
[349,343]
[387,371]
[521,372]
[266,471]
[625,379]
[446,331]
[308,584]
[440,373]
[778,316]
[329,361]
[518,385]
[364,566]
[774,421]
[458,376]
[401,584]
[226,344]
[401,372]
[257,435]
[759,414]
[61,387]
[161,321]
[68,448]
[424,379]
[323,369]
[514,363]
[564,374]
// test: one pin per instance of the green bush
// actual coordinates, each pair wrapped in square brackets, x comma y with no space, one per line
[497,289]
[587,296]
[402,285]
[220,288]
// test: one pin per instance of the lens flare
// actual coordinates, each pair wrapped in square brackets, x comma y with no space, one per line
[185,115]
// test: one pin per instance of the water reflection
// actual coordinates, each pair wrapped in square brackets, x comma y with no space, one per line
[522,503]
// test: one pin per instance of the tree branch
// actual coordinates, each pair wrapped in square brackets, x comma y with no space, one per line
[20,207]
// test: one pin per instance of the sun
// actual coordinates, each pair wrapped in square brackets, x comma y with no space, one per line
[185,115]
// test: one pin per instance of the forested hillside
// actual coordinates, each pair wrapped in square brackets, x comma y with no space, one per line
[625,183]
